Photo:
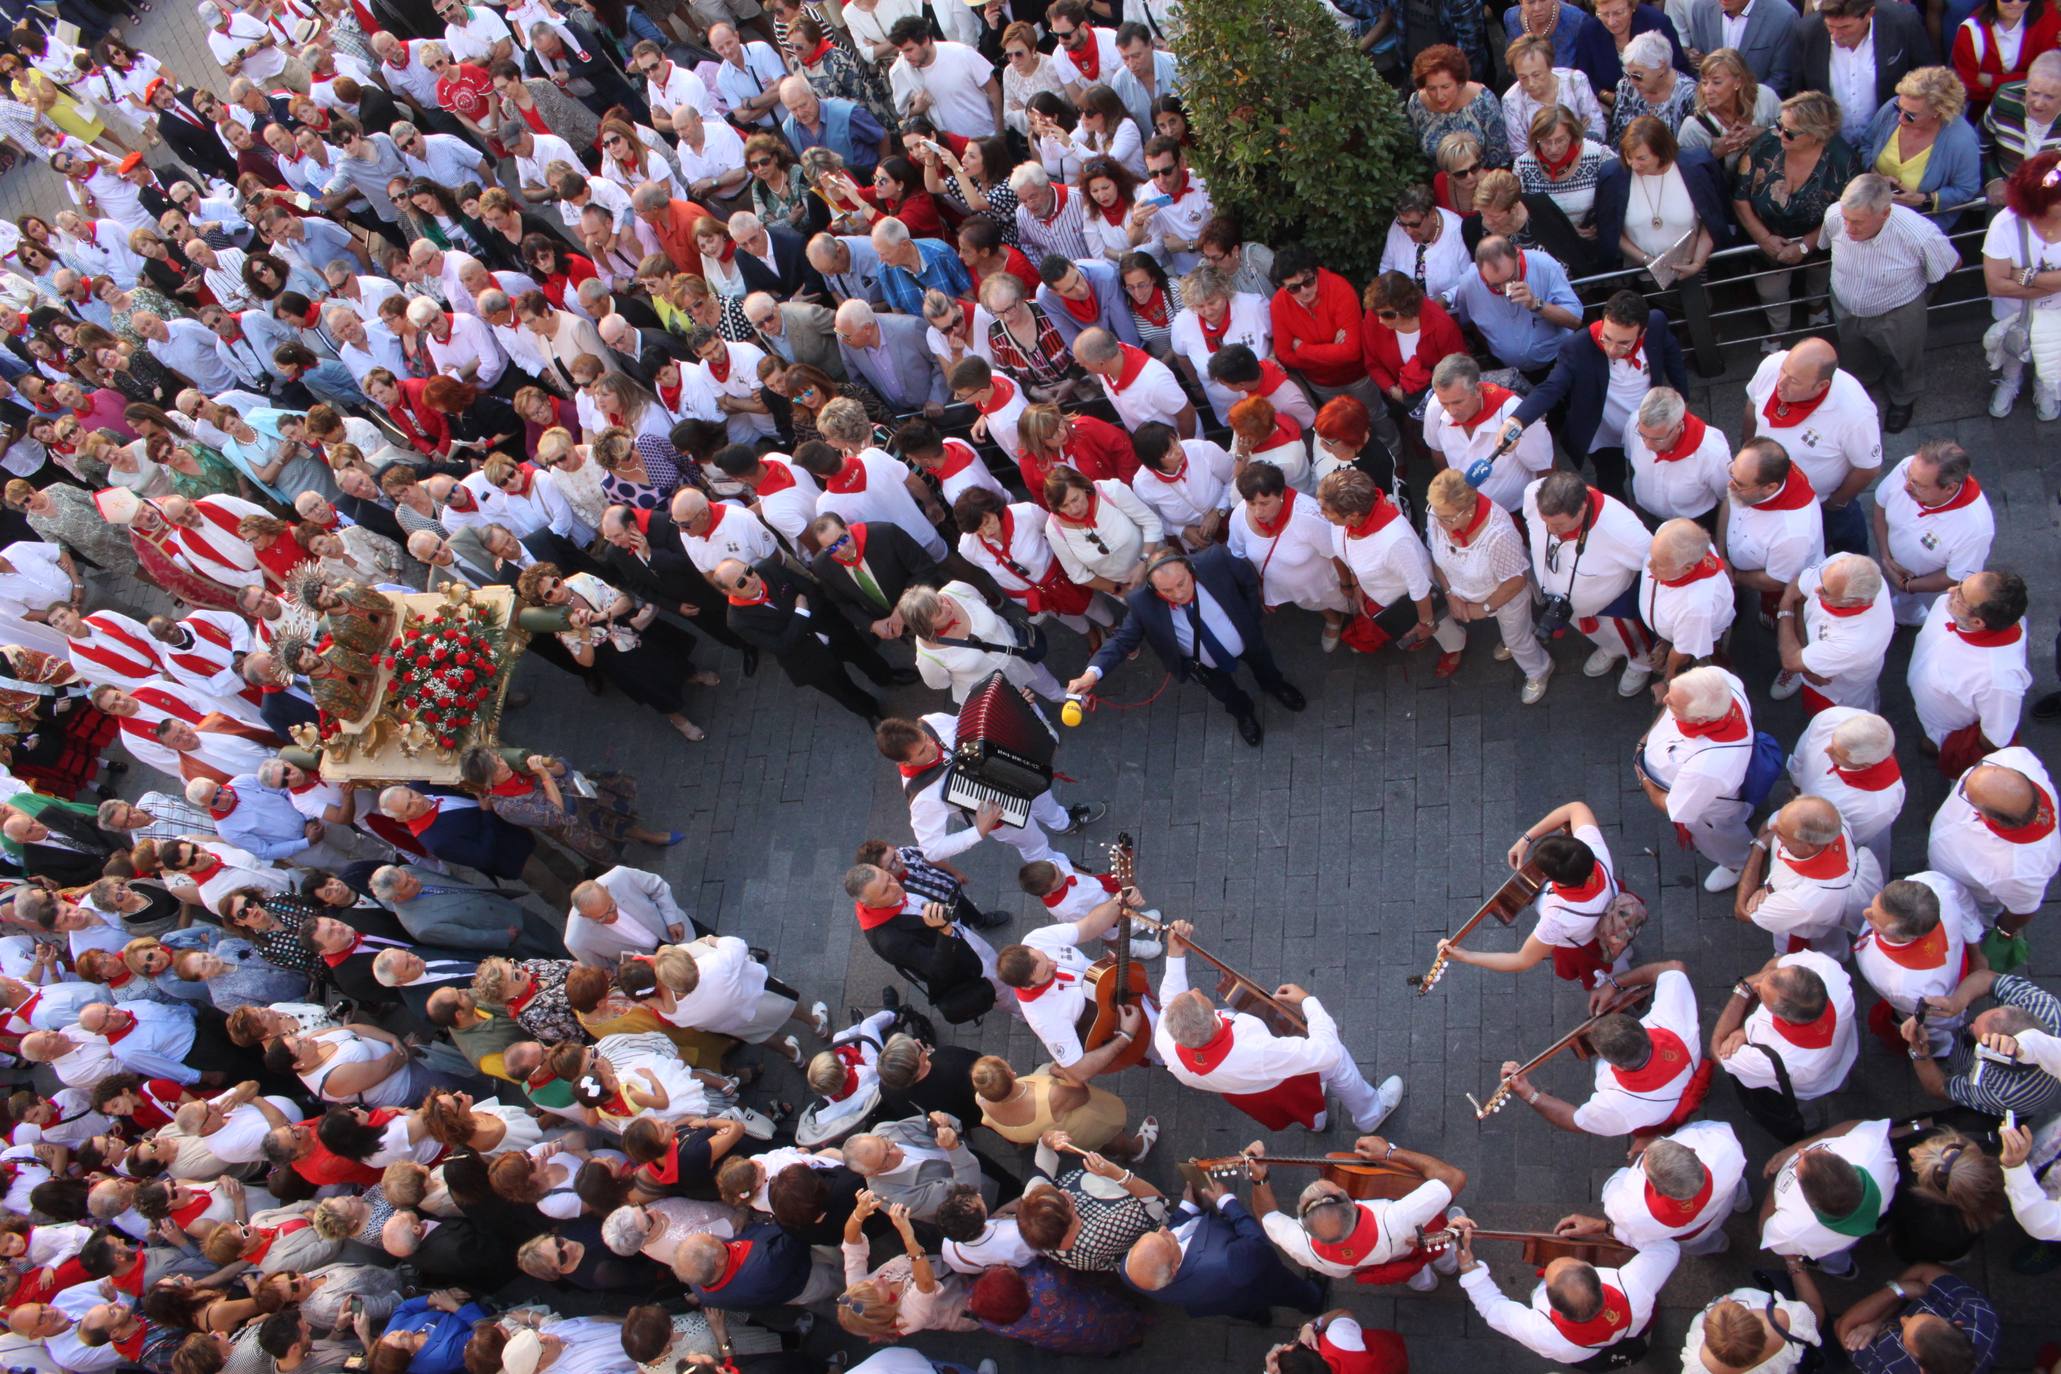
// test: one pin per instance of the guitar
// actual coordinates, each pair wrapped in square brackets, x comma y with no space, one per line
[1518,891]
[1542,1247]
[1116,980]
[1359,1176]
[1576,1039]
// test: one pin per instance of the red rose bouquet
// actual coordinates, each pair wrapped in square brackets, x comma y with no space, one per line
[444,669]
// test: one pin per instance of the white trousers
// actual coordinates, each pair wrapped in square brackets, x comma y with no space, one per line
[1626,638]
[1513,619]
[1720,834]
[1344,1081]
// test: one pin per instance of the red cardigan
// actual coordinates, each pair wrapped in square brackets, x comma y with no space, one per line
[428,430]
[1303,338]
[1438,338]
[1099,449]
[1983,75]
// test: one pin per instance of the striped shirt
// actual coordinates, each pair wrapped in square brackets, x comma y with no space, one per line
[172,818]
[1897,266]
[2006,141]
[1063,234]
[2024,1087]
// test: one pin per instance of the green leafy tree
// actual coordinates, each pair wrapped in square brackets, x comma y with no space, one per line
[1293,128]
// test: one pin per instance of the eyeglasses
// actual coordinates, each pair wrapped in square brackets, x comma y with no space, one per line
[1787,133]
[612,141]
[1908,116]
[1300,284]
[753,162]
[1467,171]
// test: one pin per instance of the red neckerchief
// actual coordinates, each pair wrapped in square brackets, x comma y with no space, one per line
[858,536]
[119,980]
[224,802]
[525,479]
[734,1255]
[514,785]
[776,477]
[1728,728]
[1114,214]
[853,1056]
[765,595]
[1492,400]
[1710,565]
[1091,65]
[1083,522]
[873,917]
[1181,187]
[669,396]
[1669,1060]
[1829,609]
[1554,169]
[115,1037]
[423,822]
[518,1003]
[1670,1211]
[1986,639]
[1796,493]
[1587,890]
[1782,414]
[1691,440]
[1928,951]
[1059,979]
[201,876]
[1636,358]
[664,1172]
[1057,895]
[1809,1035]
[716,511]
[2033,831]
[194,1210]
[131,1282]
[1464,536]
[1360,1243]
[958,457]
[1286,431]
[1154,310]
[1134,360]
[1000,393]
[1206,1057]
[336,960]
[1085,311]
[1969,491]
[1876,777]
[822,50]
[850,477]
[1272,528]
[1213,335]
[1589,518]
[719,371]
[1059,195]
[1376,519]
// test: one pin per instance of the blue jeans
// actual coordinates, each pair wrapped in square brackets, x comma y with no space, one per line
[1846,529]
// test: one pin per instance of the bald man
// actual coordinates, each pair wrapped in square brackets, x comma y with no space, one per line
[1826,421]
[1995,835]
[1806,882]
[1213,1259]
[1687,600]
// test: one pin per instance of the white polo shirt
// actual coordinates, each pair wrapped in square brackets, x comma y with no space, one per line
[1998,872]
[1817,1055]
[1590,572]
[1568,916]
[733,532]
[1630,1204]
[877,490]
[1144,390]
[1905,972]
[1686,481]
[1691,613]
[1817,902]
[1202,485]
[956,81]
[1793,1228]
[1531,1324]
[681,87]
[1702,774]
[1953,537]
[1391,563]
[1844,645]
[1869,800]
[1181,219]
[1626,1102]
[1465,444]
[1054,1012]
[1955,682]
[1781,536]
[963,470]
[1838,434]
[1392,1226]
[786,498]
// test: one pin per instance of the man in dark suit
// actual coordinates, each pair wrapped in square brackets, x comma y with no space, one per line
[1768,44]
[865,568]
[69,849]
[639,352]
[1214,1260]
[1201,614]
[457,829]
[457,1250]
[442,911]
[1629,334]
[775,260]
[890,354]
[347,945]
[916,937]
[646,559]
[413,976]
[768,608]
[1900,45]
[764,1266]
[191,137]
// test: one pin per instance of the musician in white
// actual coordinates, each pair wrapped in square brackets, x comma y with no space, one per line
[1829,1192]
[1577,1310]
[1995,834]
[1186,482]
[1650,1074]
[1569,850]
[1463,422]
[1922,938]
[1806,882]
[1679,463]
[1968,676]
[1933,525]
[1371,1240]
[1478,557]
[921,749]
[1680,1187]
[1685,597]
[1692,764]
[1274,1079]
[1281,533]
[1848,757]
[1799,1009]
[1591,548]
[1048,974]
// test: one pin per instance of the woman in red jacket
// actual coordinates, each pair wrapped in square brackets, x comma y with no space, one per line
[1316,320]
[1403,336]
[1051,438]
[1998,42]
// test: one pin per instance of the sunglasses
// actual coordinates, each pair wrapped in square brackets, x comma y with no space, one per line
[1907,116]
[1787,133]
[1388,314]
[1159,173]
[1466,171]
[1300,284]
[753,163]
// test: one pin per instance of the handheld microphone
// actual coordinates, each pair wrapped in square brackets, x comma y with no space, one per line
[1073,711]
[1478,471]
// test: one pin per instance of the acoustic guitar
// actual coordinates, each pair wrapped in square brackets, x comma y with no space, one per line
[1541,1248]
[1116,980]
[1360,1177]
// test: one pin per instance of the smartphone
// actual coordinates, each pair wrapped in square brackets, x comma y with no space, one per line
[1159,202]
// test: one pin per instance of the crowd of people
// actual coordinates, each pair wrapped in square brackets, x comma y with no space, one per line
[889,342]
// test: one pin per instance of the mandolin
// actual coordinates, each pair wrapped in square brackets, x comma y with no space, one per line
[1518,891]
[1576,1039]
[1359,1176]
[1116,980]
[1543,1247]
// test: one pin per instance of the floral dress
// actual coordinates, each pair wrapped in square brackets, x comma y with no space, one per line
[1788,211]
[75,522]
[1481,116]
[1072,1315]
[838,74]
[545,1013]
[596,828]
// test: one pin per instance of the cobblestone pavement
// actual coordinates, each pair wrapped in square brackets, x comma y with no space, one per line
[1335,856]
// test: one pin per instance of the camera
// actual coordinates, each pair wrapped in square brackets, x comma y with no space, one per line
[1553,618]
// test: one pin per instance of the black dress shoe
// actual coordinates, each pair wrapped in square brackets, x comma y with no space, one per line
[1897,419]
[751,659]
[2048,706]
[1080,817]
[1249,730]
[891,998]
[904,677]
[992,920]
[1289,695]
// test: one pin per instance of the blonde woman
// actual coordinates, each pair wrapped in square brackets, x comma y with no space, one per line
[1920,142]
[904,1295]
[1732,109]
[1955,1194]
[1021,1108]
[456,1123]
[574,473]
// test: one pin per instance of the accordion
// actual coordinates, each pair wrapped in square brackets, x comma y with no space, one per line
[1003,753]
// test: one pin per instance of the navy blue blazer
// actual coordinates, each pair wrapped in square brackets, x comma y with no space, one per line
[1581,376]
[1700,173]
[772,1275]
[1595,51]
[1231,1269]
[1230,580]
[477,838]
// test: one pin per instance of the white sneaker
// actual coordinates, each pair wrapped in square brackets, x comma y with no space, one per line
[1328,641]
[1535,687]
[1387,1096]
[1633,679]
[1598,663]
[988,1367]
[1785,685]
[2004,396]
[791,1047]
[1770,346]
[1502,653]
[1425,1280]
[1721,879]
[1148,1136]
[1447,1261]
[2046,405]
[819,1017]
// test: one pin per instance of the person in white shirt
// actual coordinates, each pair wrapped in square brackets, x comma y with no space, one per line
[1589,549]
[1692,763]
[1479,559]
[1933,525]
[960,642]
[1373,1240]
[783,496]
[534,153]
[623,912]
[1425,244]
[715,984]
[1464,421]
[1186,482]
[861,483]
[1684,598]
[1048,973]
[1968,675]
[1168,220]
[956,464]
[1214,316]
[1916,948]
[1286,538]
[444,158]
[1826,422]
[2030,1181]
[1848,757]
[1799,1008]
[1806,882]
[1140,387]
[921,749]
[1100,531]
[1650,1073]
[462,345]
[1769,527]
[1577,1310]
[1387,568]
[950,84]
[1680,1187]
[1679,463]
[1829,1193]
[711,531]
[1841,608]
[1580,889]
[1995,834]
[711,157]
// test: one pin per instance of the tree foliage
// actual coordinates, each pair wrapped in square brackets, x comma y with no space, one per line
[1293,128]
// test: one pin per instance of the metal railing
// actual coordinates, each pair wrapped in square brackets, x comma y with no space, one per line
[1698,320]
